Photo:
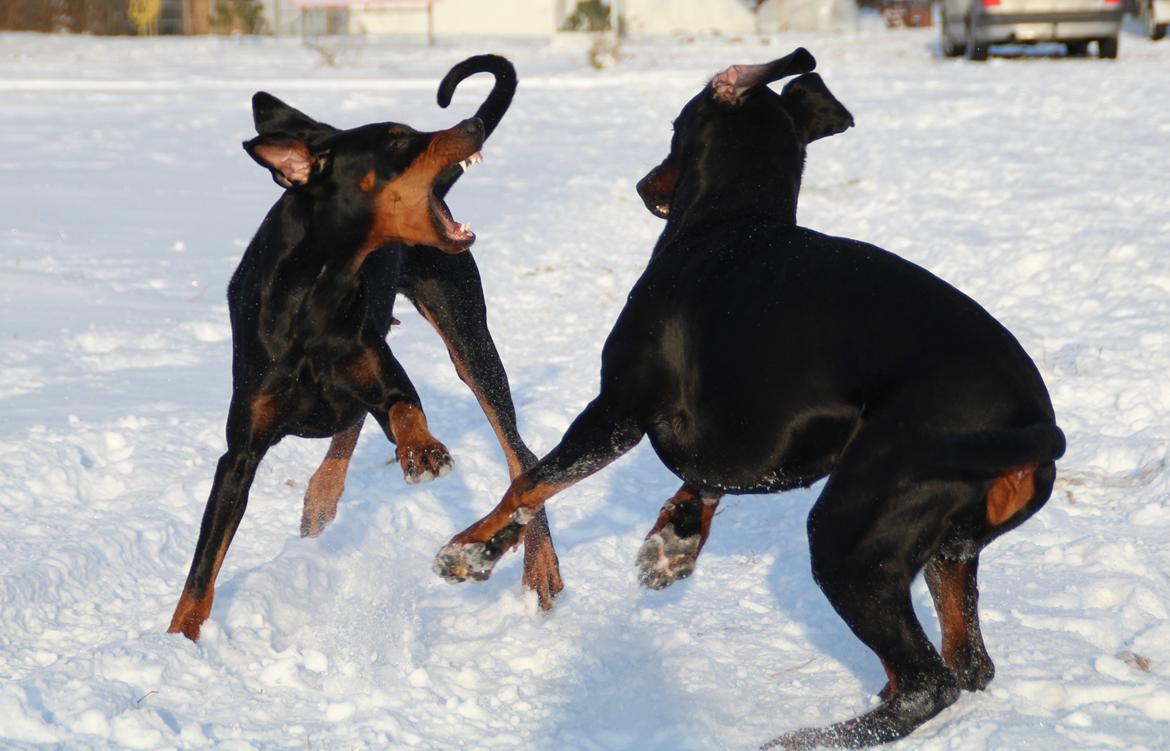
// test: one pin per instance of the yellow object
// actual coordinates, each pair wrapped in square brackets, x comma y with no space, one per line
[144,14]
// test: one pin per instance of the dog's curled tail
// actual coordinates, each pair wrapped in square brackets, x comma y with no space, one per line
[493,108]
[988,453]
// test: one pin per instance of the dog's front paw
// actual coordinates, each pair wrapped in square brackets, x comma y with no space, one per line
[424,462]
[665,558]
[460,561]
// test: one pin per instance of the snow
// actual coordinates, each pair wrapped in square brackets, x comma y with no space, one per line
[1037,184]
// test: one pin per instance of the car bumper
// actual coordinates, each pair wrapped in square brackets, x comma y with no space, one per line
[994,28]
[1161,9]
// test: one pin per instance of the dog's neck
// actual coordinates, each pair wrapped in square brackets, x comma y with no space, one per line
[702,199]
[327,237]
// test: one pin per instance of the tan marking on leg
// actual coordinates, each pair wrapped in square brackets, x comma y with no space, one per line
[262,411]
[190,614]
[421,455]
[408,424]
[685,494]
[364,369]
[688,494]
[1010,493]
[192,611]
[521,495]
[949,592]
[542,572]
[328,483]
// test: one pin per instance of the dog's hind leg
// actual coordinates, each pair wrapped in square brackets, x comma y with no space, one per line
[328,482]
[448,292]
[954,587]
[446,289]
[673,545]
[870,533]
[252,428]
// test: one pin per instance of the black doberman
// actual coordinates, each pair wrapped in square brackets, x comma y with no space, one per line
[760,356]
[311,304]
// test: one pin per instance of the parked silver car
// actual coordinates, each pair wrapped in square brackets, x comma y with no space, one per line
[1156,16]
[970,27]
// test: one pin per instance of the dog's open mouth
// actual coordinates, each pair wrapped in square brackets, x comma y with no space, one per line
[458,235]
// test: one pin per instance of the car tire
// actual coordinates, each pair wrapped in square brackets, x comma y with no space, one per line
[974,50]
[1107,48]
[1157,30]
[1077,48]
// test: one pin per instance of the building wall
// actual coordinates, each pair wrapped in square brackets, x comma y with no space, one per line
[805,15]
[687,16]
[462,18]
[544,17]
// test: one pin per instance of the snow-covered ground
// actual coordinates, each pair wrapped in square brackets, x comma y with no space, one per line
[1039,185]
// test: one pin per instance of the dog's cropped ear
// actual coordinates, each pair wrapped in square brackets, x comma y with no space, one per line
[814,108]
[291,160]
[734,85]
[657,188]
[274,116]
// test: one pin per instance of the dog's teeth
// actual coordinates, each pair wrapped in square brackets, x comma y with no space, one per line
[465,228]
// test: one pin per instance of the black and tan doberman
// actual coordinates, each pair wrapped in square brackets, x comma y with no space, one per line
[760,356]
[361,220]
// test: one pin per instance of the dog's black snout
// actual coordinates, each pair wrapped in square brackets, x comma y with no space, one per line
[473,126]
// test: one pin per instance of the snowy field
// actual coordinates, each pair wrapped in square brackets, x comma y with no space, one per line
[1039,185]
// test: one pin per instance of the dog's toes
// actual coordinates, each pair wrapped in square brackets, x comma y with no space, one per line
[425,463]
[313,524]
[974,671]
[458,562]
[542,572]
[666,558]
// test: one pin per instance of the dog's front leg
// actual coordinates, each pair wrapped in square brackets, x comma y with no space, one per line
[673,545]
[378,381]
[598,436]
[252,427]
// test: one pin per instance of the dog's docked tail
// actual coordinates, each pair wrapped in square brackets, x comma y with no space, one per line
[988,453]
[493,108]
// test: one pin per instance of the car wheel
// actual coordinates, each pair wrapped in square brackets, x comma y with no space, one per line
[1107,48]
[1078,48]
[1157,30]
[976,51]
